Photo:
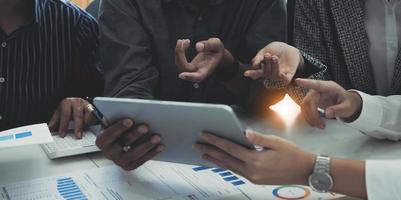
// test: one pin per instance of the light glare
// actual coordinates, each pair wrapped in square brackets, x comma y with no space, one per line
[287,109]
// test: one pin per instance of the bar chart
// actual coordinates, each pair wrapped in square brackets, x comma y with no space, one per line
[69,190]
[16,136]
[225,174]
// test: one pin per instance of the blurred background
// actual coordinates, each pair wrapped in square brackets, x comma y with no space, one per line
[82,3]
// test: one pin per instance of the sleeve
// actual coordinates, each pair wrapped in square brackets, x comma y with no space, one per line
[309,39]
[270,13]
[382,179]
[126,51]
[87,78]
[380,116]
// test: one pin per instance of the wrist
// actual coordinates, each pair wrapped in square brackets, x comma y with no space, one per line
[227,68]
[356,104]
[228,58]
[306,165]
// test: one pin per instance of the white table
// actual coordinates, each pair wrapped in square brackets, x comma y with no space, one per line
[25,163]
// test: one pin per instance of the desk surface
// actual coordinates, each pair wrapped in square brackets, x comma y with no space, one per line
[26,163]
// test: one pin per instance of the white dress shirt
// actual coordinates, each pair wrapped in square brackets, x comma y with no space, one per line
[383,26]
[381,116]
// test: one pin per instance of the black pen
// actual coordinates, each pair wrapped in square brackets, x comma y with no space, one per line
[95,113]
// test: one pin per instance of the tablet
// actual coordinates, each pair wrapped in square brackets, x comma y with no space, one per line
[179,124]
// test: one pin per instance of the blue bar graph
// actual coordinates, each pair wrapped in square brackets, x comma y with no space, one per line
[23,135]
[231,178]
[225,174]
[217,170]
[16,136]
[236,183]
[69,190]
[200,168]
[6,137]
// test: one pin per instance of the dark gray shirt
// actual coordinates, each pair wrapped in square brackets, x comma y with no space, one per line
[138,39]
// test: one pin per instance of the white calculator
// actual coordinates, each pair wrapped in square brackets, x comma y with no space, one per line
[70,146]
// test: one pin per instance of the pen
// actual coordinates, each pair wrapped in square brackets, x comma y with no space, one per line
[97,116]
[321,112]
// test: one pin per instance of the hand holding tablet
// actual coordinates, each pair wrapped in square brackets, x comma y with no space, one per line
[178,124]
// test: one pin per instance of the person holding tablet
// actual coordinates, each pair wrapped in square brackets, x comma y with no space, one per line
[362,179]
[181,50]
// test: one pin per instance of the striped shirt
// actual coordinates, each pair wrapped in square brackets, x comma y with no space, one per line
[41,63]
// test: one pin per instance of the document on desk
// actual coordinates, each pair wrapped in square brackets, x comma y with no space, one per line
[26,135]
[155,181]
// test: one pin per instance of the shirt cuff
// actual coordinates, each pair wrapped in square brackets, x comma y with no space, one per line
[382,179]
[371,115]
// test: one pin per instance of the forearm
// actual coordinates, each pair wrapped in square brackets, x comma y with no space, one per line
[349,177]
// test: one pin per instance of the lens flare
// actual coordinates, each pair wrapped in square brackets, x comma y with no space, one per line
[287,109]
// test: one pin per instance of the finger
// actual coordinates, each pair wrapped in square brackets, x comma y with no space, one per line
[211,45]
[309,108]
[267,141]
[180,55]
[78,115]
[257,60]
[54,121]
[198,76]
[139,151]
[133,136]
[320,86]
[267,68]
[275,67]
[113,152]
[220,158]
[65,117]
[339,110]
[229,147]
[254,74]
[111,134]
[135,164]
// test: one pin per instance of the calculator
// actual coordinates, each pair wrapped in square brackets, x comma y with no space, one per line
[70,146]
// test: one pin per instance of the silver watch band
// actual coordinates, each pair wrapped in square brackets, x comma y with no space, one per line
[322,165]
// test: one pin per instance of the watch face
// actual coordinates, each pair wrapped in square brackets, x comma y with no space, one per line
[321,182]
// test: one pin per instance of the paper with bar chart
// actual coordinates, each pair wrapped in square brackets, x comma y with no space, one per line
[156,181]
[26,135]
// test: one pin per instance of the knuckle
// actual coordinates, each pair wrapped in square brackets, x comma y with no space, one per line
[99,143]
[65,114]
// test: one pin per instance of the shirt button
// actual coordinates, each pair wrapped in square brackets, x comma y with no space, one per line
[2,80]
[196,85]
[3,44]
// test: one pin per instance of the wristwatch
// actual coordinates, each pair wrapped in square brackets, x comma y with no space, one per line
[320,180]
